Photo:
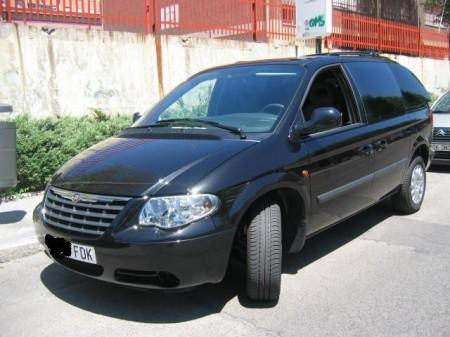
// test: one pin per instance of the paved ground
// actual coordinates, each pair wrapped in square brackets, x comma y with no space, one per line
[378,274]
[16,228]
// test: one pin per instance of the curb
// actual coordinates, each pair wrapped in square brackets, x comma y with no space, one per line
[11,198]
[11,254]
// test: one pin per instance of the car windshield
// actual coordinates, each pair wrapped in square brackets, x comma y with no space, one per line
[442,105]
[245,98]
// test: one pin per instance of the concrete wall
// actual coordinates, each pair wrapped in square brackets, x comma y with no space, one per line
[184,57]
[434,74]
[73,70]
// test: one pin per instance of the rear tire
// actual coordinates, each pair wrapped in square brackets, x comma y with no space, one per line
[410,198]
[264,252]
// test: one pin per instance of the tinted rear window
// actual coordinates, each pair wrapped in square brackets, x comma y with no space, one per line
[379,90]
[414,93]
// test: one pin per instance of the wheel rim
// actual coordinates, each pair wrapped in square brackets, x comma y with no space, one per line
[417,184]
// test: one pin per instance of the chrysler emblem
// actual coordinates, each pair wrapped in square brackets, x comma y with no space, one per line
[441,132]
[76,198]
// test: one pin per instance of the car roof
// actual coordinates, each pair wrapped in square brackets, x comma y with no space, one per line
[313,60]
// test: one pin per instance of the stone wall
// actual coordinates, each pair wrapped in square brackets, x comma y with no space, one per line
[72,70]
[68,71]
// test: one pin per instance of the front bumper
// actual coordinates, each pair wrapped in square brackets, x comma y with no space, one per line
[440,157]
[437,161]
[128,259]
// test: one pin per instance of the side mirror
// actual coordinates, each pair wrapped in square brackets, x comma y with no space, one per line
[136,116]
[322,119]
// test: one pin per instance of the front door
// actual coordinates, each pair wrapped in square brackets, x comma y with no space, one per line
[341,159]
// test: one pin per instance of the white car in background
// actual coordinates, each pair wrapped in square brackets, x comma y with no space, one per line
[441,130]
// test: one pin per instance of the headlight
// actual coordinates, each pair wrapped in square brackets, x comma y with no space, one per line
[177,211]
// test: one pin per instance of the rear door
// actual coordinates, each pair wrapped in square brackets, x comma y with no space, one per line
[390,127]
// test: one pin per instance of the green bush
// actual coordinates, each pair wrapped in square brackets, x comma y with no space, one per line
[44,145]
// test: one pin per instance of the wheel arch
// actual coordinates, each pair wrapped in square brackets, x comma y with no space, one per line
[293,197]
[421,148]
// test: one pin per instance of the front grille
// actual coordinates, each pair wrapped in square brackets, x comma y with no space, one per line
[441,135]
[80,213]
[442,155]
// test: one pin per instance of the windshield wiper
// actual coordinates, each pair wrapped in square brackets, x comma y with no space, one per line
[232,129]
[148,126]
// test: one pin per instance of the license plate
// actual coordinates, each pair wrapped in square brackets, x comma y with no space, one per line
[83,253]
[440,147]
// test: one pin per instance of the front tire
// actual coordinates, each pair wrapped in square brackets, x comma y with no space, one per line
[264,252]
[410,198]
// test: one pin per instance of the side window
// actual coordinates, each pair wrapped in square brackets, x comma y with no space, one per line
[379,90]
[193,104]
[331,90]
[414,93]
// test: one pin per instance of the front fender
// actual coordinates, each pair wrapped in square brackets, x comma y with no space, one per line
[254,190]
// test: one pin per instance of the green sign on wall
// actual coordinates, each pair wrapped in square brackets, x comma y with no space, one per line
[314,18]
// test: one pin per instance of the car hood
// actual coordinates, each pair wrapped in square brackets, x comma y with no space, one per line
[125,166]
[441,120]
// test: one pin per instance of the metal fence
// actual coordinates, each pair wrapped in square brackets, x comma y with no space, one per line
[353,31]
[84,12]
[258,20]
[405,11]
[253,20]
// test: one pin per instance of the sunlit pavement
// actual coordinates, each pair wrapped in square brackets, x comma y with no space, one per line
[378,274]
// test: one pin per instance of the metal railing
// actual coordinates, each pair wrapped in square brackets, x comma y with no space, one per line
[258,20]
[83,12]
[353,31]
[251,20]
[405,11]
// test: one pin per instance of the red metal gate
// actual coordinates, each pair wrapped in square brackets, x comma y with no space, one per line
[353,31]
[254,20]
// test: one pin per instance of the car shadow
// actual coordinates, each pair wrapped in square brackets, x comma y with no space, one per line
[174,307]
[336,237]
[7,218]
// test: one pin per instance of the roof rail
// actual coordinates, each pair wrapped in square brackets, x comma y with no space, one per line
[357,53]
[365,53]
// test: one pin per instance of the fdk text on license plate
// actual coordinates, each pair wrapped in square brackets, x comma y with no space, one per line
[83,253]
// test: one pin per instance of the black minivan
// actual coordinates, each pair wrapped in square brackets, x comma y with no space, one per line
[244,161]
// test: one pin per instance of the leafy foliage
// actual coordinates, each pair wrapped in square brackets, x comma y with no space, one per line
[44,145]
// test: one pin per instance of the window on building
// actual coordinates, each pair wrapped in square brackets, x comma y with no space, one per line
[170,16]
[288,14]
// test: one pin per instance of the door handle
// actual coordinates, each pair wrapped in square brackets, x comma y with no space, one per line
[380,145]
[367,150]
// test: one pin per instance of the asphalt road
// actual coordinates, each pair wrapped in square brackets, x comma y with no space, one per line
[378,274]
